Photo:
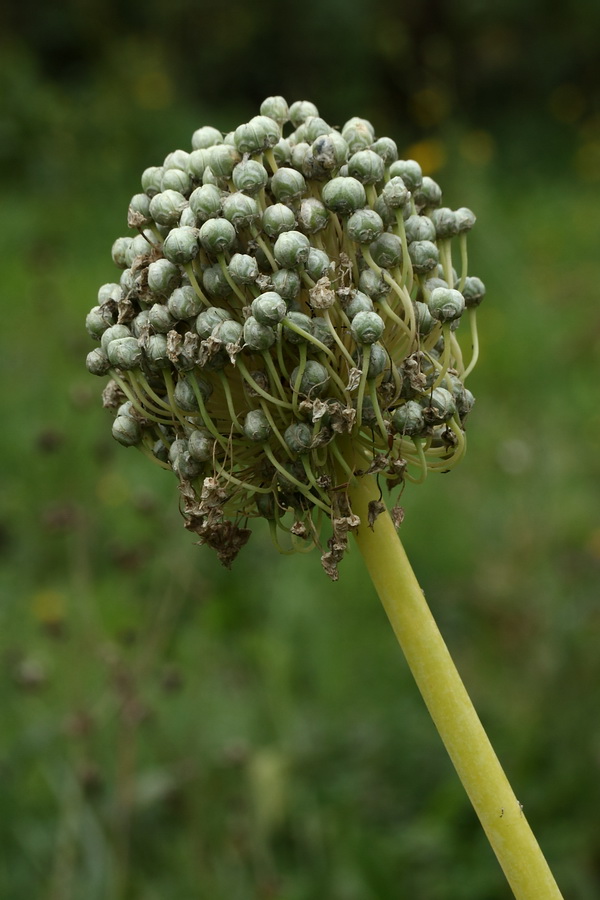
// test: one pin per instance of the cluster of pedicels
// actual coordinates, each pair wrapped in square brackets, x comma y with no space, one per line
[286,320]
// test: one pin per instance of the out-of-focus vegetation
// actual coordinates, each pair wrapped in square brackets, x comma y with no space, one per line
[170,729]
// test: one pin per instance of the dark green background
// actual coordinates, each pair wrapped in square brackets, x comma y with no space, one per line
[170,729]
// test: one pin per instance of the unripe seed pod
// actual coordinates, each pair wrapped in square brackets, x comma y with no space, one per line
[278,218]
[163,277]
[140,324]
[428,195]
[167,206]
[257,336]
[387,214]
[287,283]
[419,228]
[221,159]
[300,320]
[240,209]
[367,327]
[445,221]
[378,360]
[344,195]
[423,318]
[256,426]
[185,395]
[176,180]
[269,308]
[196,164]
[205,202]
[125,353]
[298,437]
[291,249]
[314,380]
[120,252]
[201,445]
[112,334]
[215,283]
[138,247]
[229,332]
[155,351]
[312,216]
[258,134]
[358,302]
[358,134]
[299,154]
[386,250]
[441,406]
[367,166]
[330,151]
[205,137]
[408,419]
[210,317]
[126,431]
[465,219]
[151,180]
[282,151]
[250,176]
[287,185]
[98,320]
[243,268]
[387,149]
[317,264]
[314,127]
[97,362]
[424,256]
[275,108]
[300,111]
[217,236]
[365,225]
[396,193]
[160,318]
[181,245]
[184,303]
[473,291]
[409,171]
[370,283]
[177,159]
[138,214]
[446,304]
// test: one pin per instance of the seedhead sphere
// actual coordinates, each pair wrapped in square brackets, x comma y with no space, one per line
[287,319]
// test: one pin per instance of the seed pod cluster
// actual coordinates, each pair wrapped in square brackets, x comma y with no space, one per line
[288,304]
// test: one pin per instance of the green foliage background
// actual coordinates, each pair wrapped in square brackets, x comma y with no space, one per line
[170,729]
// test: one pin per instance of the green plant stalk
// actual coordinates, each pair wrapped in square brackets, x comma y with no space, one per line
[451,709]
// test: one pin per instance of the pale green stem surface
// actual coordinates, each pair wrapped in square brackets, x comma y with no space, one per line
[499,811]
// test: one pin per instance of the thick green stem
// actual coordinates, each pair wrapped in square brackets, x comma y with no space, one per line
[499,811]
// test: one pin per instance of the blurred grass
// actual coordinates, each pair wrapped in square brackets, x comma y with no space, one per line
[171,729]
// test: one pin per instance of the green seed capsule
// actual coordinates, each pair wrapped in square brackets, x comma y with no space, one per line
[329,151]
[126,431]
[109,293]
[408,419]
[291,249]
[258,134]
[378,360]
[419,228]
[287,185]
[317,264]
[367,166]
[97,362]
[423,318]
[250,176]
[428,195]
[344,195]
[184,303]
[440,406]
[258,336]
[201,445]
[163,277]
[205,202]
[322,332]
[140,324]
[241,210]
[215,283]
[358,134]
[396,193]
[139,247]
[98,320]
[473,291]
[278,218]
[177,159]
[138,214]
[185,395]
[256,426]
[217,236]
[358,302]
[205,137]
[300,320]
[181,245]
[282,151]
[155,351]
[424,256]
[409,171]
[197,163]
[151,180]
[120,252]
[367,327]
[229,332]
[364,226]
[300,111]
[269,308]
[125,353]
[167,206]
[314,380]
[386,250]
[465,219]
[221,159]
[445,221]
[176,180]
[287,283]
[210,317]
[387,149]
[298,437]
[160,318]
[373,285]
[446,304]
[114,333]
[243,268]
[275,108]
[299,154]
[312,216]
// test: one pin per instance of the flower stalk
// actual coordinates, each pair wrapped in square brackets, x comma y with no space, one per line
[448,702]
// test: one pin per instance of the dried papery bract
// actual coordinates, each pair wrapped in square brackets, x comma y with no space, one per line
[297,272]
